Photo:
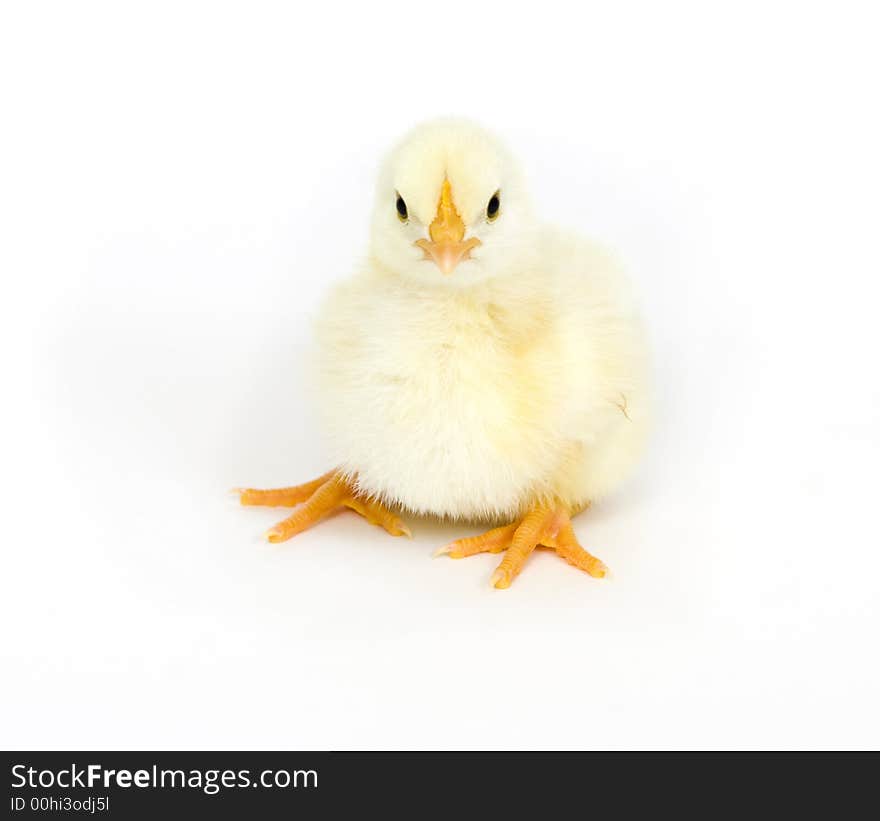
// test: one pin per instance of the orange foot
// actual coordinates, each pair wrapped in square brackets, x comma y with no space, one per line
[320,497]
[546,525]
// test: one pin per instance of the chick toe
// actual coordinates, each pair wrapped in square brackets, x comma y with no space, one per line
[536,524]
[377,514]
[494,541]
[283,496]
[568,547]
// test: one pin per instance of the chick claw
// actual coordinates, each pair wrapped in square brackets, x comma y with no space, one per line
[319,498]
[545,526]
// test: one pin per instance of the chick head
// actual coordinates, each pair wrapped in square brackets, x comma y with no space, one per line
[451,208]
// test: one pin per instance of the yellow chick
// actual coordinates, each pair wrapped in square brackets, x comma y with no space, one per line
[480,365]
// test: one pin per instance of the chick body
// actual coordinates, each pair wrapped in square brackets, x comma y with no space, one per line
[473,401]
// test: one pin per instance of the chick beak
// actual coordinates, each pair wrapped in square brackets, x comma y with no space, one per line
[447,246]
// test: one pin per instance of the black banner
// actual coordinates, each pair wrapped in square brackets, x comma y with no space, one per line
[320,784]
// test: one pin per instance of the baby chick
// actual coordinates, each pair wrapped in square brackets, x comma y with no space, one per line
[480,365]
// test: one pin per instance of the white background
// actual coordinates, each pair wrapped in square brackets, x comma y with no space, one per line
[180,184]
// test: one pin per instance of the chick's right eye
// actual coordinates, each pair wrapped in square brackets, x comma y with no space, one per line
[401,209]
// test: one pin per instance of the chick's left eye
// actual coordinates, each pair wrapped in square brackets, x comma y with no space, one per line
[493,207]
[401,209]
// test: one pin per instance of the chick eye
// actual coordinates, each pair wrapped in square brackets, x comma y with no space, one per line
[402,214]
[493,207]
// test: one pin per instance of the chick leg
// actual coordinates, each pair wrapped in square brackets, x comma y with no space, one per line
[546,525]
[320,497]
